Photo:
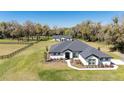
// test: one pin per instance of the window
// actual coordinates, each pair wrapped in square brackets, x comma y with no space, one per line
[54,54]
[107,59]
[75,55]
[91,61]
[104,59]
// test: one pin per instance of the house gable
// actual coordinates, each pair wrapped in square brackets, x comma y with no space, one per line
[92,57]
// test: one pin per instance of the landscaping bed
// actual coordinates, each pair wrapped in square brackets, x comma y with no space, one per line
[79,64]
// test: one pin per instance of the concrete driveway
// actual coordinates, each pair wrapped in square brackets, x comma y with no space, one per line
[117,61]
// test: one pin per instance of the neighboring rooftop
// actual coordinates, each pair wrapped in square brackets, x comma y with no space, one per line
[61,36]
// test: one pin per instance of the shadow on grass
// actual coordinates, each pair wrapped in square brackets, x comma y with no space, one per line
[73,75]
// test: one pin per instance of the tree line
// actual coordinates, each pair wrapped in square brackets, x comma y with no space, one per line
[112,33]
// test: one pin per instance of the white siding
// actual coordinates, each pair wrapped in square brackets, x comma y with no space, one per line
[83,60]
[62,39]
[57,56]
[68,39]
[57,39]
[93,57]
[106,62]
[62,55]
[71,54]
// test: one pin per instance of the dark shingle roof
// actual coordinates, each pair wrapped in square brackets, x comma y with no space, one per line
[92,51]
[75,45]
[58,47]
[78,46]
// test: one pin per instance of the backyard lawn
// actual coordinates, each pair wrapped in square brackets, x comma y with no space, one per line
[29,65]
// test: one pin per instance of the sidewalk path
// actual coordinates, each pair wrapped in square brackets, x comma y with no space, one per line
[69,65]
[117,61]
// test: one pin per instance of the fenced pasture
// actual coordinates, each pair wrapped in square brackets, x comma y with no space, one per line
[9,47]
[6,49]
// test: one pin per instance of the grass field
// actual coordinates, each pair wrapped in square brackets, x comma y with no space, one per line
[8,40]
[29,65]
[9,48]
[13,40]
[104,48]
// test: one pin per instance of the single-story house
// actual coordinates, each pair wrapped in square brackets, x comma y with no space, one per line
[79,51]
[62,38]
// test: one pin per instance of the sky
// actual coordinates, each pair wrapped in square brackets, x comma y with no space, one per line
[60,18]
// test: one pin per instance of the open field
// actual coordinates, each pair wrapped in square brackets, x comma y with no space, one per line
[104,48]
[9,48]
[29,65]
[15,41]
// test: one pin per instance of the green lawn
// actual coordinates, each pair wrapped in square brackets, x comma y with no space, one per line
[8,40]
[69,74]
[29,65]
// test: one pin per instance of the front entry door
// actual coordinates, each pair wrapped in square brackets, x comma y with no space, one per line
[67,55]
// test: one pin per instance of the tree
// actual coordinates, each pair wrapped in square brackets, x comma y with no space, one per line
[55,30]
[16,30]
[39,30]
[46,30]
[29,29]
[115,20]
[87,30]
[67,32]
[5,29]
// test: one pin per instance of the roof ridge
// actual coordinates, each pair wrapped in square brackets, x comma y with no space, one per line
[68,45]
[59,44]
